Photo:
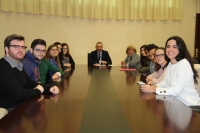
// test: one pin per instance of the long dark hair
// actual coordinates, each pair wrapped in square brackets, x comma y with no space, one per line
[144,59]
[61,54]
[183,53]
[158,66]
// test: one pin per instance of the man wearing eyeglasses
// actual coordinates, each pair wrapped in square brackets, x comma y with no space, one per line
[151,50]
[16,85]
[37,67]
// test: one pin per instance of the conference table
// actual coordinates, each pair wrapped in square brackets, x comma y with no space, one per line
[101,100]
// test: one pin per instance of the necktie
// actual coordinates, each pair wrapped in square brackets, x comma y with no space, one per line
[98,56]
[130,59]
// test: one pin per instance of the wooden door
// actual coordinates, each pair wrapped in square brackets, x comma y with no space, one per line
[197,38]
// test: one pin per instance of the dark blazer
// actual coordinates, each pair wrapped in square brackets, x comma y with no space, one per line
[94,59]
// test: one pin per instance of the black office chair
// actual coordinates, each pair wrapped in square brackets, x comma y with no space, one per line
[195,60]
[88,57]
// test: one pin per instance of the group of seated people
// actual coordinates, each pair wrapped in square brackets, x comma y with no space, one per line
[24,74]
[171,71]
[168,71]
[46,65]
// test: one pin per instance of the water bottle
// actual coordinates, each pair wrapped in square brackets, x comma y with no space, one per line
[127,64]
[99,62]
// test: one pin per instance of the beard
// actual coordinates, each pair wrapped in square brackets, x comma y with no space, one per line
[17,56]
[36,58]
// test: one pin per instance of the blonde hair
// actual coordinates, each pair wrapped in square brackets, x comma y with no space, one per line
[131,47]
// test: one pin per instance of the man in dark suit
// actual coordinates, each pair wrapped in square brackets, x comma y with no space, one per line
[99,56]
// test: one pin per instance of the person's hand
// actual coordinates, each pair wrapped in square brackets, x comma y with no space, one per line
[149,83]
[57,79]
[122,63]
[54,90]
[104,62]
[55,76]
[96,64]
[39,87]
[148,88]
[67,64]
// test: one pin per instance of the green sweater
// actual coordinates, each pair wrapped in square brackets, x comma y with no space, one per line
[45,67]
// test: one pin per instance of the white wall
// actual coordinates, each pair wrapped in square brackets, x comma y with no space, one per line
[82,34]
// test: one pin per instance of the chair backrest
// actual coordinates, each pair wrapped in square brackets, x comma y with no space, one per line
[88,57]
[195,60]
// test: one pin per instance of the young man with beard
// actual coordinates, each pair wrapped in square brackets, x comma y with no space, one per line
[16,85]
[37,67]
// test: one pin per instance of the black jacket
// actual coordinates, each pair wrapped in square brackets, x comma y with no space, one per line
[94,59]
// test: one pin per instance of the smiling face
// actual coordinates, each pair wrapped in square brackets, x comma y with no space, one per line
[130,51]
[99,47]
[59,48]
[151,55]
[38,52]
[142,51]
[160,57]
[172,51]
[65,49]
[54,51]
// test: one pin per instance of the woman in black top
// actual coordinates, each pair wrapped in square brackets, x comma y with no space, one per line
[66,59]
[143,57]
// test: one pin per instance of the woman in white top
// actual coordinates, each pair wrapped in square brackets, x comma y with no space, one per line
[180,75]
[161,66]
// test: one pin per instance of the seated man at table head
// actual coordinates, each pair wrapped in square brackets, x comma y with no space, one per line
[99,56]
[36,66]
[16,85]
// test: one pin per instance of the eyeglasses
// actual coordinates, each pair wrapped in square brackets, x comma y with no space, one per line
[54,49]
[151,55]
[17,47]
[40,51]
[158,55]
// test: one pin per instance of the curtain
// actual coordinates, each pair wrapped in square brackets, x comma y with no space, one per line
[99,9]
[197,6]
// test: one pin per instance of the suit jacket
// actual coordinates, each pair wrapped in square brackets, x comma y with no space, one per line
[94,59]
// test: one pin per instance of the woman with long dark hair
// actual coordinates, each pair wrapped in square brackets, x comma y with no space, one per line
[143,56]
[66,59]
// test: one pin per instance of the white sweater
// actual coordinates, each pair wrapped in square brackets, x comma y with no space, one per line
[179,82]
